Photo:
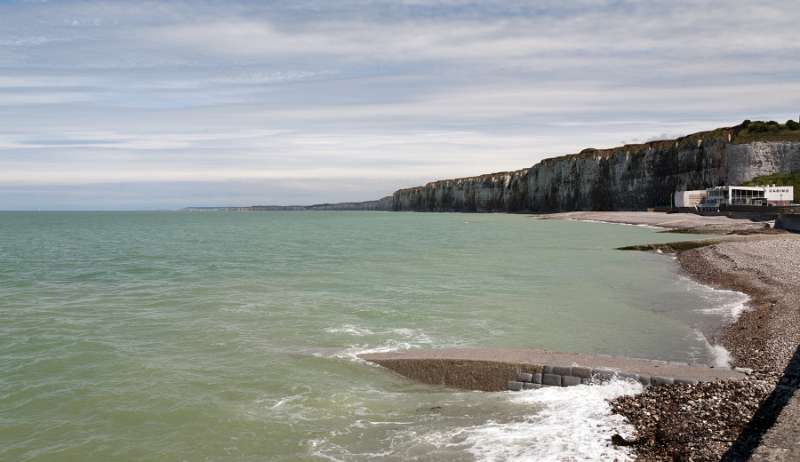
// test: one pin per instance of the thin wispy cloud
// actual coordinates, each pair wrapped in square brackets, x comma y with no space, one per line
[360,97]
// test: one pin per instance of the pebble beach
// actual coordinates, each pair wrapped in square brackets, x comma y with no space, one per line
[757,418]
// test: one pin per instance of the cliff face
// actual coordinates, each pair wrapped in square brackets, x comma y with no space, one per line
[624,178]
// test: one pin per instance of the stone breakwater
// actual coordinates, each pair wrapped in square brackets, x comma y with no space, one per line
[630,177]
[562,376]
[518,369]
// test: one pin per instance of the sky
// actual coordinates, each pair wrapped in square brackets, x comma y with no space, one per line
[142,105]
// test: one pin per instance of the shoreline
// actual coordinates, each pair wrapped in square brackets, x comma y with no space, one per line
[726,420]
[668,222]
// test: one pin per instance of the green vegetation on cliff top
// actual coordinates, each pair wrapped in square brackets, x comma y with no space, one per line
[782,179]
[746,132]
[768,131]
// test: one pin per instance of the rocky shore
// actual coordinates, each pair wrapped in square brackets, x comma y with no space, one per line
[734,420]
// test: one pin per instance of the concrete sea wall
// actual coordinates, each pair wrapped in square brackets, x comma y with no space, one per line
[497,369]
[631,177]
[563,376]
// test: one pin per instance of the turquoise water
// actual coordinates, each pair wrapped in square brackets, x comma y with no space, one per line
[233,336]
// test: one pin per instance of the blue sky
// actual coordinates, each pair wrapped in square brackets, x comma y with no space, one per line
[161,105]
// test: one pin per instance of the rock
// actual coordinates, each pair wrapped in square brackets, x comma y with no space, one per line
[690,422]
[618,440]
[657,380]
[563,371]
[582,372]
[551,379]
[603,375]
[515,385]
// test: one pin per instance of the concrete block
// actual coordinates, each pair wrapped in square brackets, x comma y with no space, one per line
[685,381]
[515,386]
[537,378]
[531,386]
[644,380]
[524,377]
[586,381]
[582,372]
[559,370]
[551,379]
[547,370]
[658,380]
[602,375]
[570,380]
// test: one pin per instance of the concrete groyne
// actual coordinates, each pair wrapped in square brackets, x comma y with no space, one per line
[521,369]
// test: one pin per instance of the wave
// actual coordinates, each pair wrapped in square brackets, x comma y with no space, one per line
[728,304]
[573,423]
[350,330]
[720,356]
[725,305]
[638,225]
[399,339]
[549,424]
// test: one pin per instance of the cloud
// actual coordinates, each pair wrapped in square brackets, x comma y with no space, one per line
[201,93]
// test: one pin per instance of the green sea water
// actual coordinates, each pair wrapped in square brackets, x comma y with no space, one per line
[181,336]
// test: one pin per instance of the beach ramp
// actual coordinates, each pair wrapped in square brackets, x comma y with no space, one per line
[489,369]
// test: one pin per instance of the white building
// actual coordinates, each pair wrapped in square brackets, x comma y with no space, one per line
[749,195]
[689,199]
[779,195]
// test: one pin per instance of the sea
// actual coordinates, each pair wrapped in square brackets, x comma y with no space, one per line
[230,336]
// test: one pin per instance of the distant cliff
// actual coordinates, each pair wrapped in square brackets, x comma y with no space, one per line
[384,203]
[629,177]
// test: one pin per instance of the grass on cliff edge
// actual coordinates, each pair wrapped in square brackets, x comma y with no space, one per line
[780,179]
[768,131]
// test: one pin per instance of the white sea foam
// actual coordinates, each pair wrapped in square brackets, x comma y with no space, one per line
[720,356]
[349,329]
[287,399]
[410,338]
[416,335]
[729,304]
[570,424]
[399,339]
[638,225]
[354,351]
[407,333]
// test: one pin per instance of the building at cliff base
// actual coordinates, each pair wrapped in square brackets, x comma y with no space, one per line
[735,195]
[689,199]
